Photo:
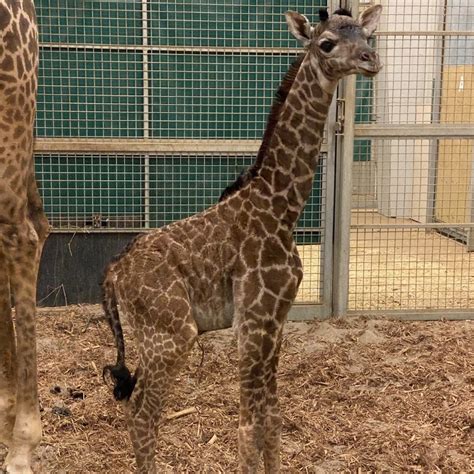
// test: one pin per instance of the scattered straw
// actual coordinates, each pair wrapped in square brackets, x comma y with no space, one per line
[357,395]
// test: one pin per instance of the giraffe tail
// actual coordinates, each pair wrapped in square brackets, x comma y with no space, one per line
[124,382]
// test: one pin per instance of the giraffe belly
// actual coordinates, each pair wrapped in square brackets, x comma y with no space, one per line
[213,316]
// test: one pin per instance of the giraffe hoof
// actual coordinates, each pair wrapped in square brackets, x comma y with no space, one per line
[17,465]
[17,469]
[7,420]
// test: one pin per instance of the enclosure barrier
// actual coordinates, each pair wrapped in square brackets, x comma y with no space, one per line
[148,109]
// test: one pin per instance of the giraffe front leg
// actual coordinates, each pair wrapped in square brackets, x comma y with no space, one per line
[271,450]
[7,356]
[259,424]
[26,433]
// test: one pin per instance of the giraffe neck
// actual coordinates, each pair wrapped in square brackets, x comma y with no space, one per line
[289,165]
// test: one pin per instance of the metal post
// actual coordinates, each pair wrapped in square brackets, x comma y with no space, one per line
[146,115]
[343,193]
[343,202]
[470,230]
[326,268]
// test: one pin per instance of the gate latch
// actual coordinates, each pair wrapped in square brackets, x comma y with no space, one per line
[340,116]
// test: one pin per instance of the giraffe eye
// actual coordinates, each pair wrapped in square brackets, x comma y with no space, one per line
[327,46]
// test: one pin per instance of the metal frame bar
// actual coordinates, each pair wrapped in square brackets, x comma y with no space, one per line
[327,268]
[420,225]
[343,201]
[309,312]
[470,232]
[343,187]
[172,49]
[146,115]
[425,33]
[142,145]
[150,145]
[413,131]
[419,315]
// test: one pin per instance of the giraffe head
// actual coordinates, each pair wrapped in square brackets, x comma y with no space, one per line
[338,44]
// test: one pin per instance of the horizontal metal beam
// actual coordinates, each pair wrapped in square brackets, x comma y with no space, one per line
[139,145]
[171,48]
[308,312]
[424,33]
[228,49]
[414,226]
[149,146]
[414,131]
[120,230]
[418,315]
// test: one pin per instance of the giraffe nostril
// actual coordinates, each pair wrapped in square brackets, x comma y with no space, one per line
[365,56]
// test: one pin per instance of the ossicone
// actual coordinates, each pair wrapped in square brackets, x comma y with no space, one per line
[323,14]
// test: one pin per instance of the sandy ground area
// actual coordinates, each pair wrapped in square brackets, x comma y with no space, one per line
[397,268]
[357,395]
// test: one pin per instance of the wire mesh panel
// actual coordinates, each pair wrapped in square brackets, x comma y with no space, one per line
[106,192]
[428,51]
[175,74]
[213,95]
[410,250]
[413,198]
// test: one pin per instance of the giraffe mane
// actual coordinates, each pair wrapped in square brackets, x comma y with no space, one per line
[272,120]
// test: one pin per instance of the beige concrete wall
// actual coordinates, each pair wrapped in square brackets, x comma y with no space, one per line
[404,94]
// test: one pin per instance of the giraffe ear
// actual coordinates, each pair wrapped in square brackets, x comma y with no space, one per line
[369,19]
[299,27]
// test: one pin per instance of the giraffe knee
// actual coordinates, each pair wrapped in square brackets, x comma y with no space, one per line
[42,227]
[20,239]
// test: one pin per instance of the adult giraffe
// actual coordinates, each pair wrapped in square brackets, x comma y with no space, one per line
[235,263]
[23,230]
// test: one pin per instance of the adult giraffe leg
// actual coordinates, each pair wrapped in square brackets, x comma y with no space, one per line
[24,261]
[7,354]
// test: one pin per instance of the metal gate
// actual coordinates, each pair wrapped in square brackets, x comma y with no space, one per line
[406,224]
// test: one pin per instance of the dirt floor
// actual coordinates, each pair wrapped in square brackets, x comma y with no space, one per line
[357,395]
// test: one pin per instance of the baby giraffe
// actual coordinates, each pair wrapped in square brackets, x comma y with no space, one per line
[236,263]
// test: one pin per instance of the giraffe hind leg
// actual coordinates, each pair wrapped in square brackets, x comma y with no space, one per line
[160,358]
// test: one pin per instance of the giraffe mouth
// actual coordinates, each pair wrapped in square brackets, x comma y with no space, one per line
[370,70]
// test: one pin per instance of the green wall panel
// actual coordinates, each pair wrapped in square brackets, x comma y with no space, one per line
[76,187]
[364,114]
[213,95]
[226,23]
[90,22]
[90,94]
[181,186]
[98,92]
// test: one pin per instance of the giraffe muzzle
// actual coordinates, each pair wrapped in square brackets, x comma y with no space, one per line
[370,64]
